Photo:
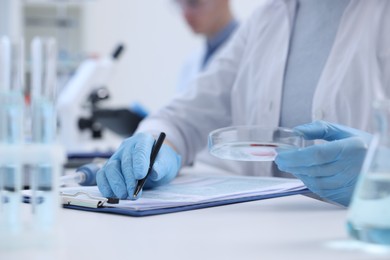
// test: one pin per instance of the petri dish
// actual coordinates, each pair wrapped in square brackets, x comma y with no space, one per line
[252,143]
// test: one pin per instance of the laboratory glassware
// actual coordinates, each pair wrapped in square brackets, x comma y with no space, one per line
[369,212]
[252,143]
[11,133]
[43,122]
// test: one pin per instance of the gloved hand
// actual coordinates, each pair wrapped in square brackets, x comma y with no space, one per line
[118,177]
[330,169]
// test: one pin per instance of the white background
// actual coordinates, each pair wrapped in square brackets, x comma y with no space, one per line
[157,42]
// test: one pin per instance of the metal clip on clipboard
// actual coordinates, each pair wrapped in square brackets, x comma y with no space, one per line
[82,199]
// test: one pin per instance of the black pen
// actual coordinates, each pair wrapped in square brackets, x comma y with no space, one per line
[156,148]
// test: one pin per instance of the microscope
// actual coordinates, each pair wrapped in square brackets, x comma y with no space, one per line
[82,122]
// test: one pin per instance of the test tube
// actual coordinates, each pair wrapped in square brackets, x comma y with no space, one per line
[44,86]
[11,134]
[43,91]
[11,90]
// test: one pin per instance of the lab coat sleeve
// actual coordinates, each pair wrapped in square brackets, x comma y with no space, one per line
[204,106]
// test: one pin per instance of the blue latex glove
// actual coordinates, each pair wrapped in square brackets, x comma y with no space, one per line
[118,177]
[329,169]
[139,109]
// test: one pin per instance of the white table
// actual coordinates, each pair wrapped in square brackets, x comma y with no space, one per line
[295,227]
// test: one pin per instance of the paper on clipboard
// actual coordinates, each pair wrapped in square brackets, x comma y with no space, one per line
[193,189]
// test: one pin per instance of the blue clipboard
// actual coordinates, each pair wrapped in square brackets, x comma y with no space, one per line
[151,212]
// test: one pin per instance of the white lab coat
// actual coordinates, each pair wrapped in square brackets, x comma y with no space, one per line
[190,69]
[243,85]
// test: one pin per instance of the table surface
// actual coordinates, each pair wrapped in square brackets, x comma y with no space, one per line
[294,227]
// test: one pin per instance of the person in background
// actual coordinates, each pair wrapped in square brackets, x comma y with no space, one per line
[213,20]
[310,64]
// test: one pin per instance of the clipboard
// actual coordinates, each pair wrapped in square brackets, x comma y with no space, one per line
[82,199]
[173,197]
[104,208]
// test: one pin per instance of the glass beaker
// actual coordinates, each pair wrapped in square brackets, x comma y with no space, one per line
[369,212]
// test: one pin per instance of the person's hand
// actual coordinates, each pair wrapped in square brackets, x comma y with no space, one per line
[330,169]
[130,163]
